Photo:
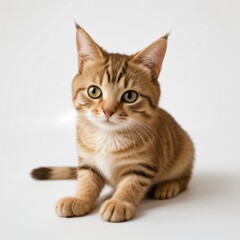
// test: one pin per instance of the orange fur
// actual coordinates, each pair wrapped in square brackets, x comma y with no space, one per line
[134,146]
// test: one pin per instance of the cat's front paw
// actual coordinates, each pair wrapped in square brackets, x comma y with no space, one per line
[72,207]
[117,211]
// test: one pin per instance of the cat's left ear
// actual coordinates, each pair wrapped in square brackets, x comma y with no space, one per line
[87,49]
[153,55]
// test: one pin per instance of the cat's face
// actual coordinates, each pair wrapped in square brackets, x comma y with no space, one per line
[115,91]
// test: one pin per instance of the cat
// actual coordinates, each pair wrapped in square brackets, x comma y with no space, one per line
[123,138]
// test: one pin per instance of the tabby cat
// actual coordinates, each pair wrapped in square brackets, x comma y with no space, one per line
[124,139]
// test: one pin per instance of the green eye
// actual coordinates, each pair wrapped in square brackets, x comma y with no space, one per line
[94,92]
[130,96]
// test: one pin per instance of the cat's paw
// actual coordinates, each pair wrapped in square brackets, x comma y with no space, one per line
[167,190]
[72,207]
[117,211]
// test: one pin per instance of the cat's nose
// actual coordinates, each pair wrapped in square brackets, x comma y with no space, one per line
[108,113]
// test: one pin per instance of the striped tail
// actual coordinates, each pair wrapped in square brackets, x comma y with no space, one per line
[54,173]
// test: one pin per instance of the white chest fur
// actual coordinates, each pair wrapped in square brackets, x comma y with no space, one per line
[104,144]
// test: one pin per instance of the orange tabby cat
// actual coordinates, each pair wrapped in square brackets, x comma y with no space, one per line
[123,137]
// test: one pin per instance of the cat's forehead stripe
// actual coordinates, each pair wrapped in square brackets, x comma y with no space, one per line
[123,71]
[108,76]
[115,70]
[115,67]
[116,63]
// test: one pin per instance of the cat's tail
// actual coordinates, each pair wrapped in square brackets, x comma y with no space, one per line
[54,173]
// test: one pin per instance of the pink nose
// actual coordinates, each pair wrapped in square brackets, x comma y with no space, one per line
[108,113]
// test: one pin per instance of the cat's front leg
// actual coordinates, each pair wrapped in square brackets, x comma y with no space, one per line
[89,186]
[131,190]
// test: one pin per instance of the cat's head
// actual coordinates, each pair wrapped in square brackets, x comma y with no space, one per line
[114,91]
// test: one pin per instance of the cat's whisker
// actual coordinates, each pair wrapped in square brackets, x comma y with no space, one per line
[139,136]
[143,129]
[149,128]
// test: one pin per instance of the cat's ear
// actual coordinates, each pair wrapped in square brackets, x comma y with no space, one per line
[153,55]
[87,49]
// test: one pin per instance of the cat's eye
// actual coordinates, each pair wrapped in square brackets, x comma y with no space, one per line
[129,96]
[94,92]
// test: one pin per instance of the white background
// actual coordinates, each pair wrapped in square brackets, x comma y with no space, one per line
[200,88]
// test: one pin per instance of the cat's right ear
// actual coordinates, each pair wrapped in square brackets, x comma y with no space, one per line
[87,49]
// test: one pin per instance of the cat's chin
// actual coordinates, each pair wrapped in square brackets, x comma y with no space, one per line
[109,125]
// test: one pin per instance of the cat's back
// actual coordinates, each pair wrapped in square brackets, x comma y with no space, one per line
[172,131]
[166,122]
[176,146]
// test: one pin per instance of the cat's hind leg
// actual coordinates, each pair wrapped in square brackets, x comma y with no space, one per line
[168,189]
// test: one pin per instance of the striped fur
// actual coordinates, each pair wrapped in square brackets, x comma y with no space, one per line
[140,149]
